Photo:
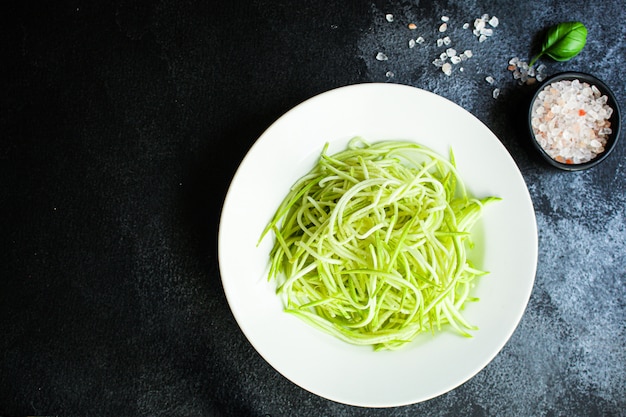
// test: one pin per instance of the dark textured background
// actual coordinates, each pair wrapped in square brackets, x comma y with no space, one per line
[122,124]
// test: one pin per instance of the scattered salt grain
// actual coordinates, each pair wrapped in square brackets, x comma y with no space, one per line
[381,57]
[541,71]
[438,62]
[389,17]
[525,74]
[571,121]
[495,93]
[411,43]
[443,27]
[490,79]
[481,29]
[465,25]
[439,42]
[420,40]
[447,41]
[447,68]
[389,74]
[451,52]
[445,18]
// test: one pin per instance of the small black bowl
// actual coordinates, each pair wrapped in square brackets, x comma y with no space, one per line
[614,119]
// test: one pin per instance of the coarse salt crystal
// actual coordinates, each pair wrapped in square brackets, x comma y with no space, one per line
[446,68]
[438,62]
[381,57]
[524,73]
[389,17]
[443,27]
[567,122]
[420,40]
[494,22]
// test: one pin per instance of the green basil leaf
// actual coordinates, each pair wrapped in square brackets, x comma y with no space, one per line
[563,41]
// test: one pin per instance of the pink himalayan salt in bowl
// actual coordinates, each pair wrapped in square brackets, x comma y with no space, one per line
[574,121]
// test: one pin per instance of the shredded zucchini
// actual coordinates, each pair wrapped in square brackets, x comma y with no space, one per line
[371,245]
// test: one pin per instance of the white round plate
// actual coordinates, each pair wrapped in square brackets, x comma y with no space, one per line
[506,246]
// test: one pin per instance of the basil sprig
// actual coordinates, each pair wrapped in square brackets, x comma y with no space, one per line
[563,41]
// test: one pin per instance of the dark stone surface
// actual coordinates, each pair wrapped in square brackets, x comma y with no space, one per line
[122,124]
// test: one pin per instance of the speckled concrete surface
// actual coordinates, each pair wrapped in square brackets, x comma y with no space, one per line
[121,126]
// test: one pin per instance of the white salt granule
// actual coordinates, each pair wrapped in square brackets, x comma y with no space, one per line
[525,74]
[381,57]
[571,121]
[481,31]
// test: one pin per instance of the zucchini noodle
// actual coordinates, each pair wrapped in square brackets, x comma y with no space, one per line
[371,244]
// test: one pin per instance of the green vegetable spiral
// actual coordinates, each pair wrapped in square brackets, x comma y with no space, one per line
[371,244]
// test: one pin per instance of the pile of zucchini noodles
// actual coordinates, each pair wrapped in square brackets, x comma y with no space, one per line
[371,244]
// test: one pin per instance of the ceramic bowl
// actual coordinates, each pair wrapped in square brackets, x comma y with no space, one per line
[612,139]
